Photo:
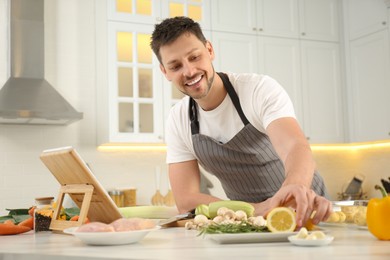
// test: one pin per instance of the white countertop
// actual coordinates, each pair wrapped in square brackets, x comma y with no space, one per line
[178,243]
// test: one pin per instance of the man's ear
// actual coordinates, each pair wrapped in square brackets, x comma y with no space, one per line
[210,50]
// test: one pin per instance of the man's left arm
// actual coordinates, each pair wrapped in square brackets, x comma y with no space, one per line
[293,149]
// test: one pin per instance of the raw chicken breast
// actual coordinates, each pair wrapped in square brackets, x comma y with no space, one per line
[95,227]
[128,224]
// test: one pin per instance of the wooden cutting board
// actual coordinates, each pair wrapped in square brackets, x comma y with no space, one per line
[179,223]
[69,169]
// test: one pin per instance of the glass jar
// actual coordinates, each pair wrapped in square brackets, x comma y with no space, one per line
[43,213]
[117,196]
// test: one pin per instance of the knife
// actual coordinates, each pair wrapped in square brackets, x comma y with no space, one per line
[173,219]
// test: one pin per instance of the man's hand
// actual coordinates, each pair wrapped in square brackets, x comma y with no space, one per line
[305,201]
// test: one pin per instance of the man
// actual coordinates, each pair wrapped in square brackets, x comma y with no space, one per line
[239,127]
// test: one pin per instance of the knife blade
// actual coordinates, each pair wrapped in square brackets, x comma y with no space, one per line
[173,219]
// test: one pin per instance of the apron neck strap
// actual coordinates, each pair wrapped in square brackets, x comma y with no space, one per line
[193,109]
[233,96]
[193,112]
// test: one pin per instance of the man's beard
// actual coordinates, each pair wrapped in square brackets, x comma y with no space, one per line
[209,85]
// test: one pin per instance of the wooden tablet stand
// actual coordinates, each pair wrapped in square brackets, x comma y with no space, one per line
[77,180]
[86,189]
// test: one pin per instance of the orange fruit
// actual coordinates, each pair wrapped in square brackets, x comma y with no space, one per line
[309,224]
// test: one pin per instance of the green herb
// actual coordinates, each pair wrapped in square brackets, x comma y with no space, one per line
[16,215]
[17,212]
[71,212]
[241,227]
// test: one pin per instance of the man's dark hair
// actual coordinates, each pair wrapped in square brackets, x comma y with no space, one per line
[172,28]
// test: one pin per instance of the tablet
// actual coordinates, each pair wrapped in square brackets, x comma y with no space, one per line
[69,169]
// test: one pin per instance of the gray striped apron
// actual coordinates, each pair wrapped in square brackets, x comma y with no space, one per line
[247,166]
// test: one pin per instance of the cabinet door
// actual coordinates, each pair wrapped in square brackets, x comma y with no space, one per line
[261,17]
[278,18]
[319,19]
[198,10]
[235,52]
[323,111]
[370,86]
[234,16]
[135,100]
[134,11]
[154,11]
[365,16]
[280,59]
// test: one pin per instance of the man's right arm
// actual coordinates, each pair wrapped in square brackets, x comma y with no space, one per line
[185,183]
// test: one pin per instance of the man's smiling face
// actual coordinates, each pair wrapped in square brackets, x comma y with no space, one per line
[187,63]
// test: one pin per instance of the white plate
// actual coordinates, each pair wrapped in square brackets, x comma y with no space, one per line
[344,225]
[259,237]
[110,238]
[308,242]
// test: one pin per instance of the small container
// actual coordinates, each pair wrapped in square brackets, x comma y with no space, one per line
[118,197]
[130,197]
[43,213]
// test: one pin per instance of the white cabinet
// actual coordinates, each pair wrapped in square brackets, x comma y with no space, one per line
[322,94]
[153,11]
[235,52]
[275,17]
[370,87]
[306,19]
[281,59]
[133,96]
[308,70]
[367,45]
[363,17]
[319,19]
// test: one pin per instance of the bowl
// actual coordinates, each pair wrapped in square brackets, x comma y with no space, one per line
[308,242]
[110,238]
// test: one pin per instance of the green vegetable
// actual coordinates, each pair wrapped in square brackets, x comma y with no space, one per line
[16,215]
[20,218]
[153,212]
[71,212]
[242,227]
[202,209]
[4,218]
[17,211]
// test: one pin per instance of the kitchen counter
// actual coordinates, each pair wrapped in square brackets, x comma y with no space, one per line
[178,243]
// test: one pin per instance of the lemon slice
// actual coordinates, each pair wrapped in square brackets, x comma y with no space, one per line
[281,219]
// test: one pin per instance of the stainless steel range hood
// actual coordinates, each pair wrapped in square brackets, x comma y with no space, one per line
[26,97]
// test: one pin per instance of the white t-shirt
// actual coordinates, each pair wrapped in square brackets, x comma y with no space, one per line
[262,99]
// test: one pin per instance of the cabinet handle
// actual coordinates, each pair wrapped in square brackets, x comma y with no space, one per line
[260,29]
[384,23]
[307,138]
[254,29]
[303,34]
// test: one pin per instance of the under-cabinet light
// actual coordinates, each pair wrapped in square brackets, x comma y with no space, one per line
[132,147]
[352,146]
[314,147]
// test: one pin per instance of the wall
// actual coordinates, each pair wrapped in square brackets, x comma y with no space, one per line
[70,59]
[338,166]
[70,67]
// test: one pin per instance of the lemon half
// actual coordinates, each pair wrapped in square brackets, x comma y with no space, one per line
[281,219]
